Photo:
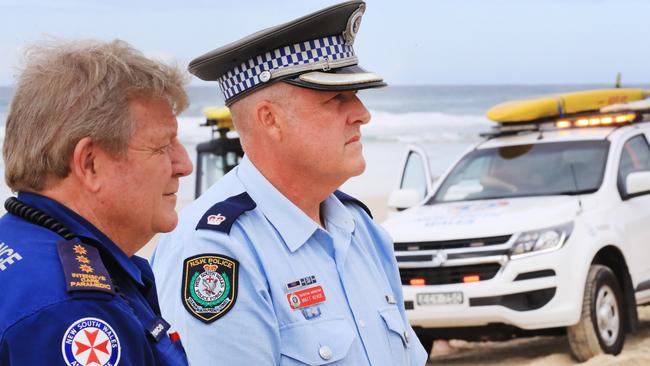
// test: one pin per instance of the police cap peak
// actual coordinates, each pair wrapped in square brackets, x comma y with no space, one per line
[314,51]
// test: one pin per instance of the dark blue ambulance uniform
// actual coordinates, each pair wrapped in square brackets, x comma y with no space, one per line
[76,302]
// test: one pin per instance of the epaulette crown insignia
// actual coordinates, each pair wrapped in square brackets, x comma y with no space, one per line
[223,215]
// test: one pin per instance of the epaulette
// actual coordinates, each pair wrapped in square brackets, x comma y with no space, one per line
[223,215]
[347,198]
[83,268]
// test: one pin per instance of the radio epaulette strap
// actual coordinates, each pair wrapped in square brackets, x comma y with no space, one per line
[83,268]
[347,198]
[223,215]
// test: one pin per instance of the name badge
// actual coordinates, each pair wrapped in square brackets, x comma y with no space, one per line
[308,297]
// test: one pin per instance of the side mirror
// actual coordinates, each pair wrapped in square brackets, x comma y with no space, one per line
[637,182]
[401,199]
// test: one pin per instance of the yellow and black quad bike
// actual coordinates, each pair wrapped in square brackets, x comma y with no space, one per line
[218,156]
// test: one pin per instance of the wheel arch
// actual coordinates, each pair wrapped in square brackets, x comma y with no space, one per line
[612,257]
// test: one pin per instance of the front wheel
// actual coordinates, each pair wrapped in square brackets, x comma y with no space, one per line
[601,325]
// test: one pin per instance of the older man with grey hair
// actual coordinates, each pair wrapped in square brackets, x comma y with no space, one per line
[91,149]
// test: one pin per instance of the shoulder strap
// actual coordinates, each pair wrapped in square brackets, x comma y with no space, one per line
[223,215]
[347,198]
[83,268]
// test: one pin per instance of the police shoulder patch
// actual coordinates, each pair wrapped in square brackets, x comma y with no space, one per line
[83,268]
[90,341]
[347,198]
[209,289]
[223,215]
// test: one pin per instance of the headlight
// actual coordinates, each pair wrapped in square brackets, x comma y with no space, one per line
[541,241]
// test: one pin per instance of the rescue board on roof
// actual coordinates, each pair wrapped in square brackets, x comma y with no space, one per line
[560,105]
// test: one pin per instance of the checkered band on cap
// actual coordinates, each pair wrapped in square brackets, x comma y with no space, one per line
[320,50]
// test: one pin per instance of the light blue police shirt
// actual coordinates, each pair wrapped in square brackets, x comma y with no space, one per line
[280,255]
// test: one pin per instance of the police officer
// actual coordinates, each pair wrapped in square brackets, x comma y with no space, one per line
[90,146]
[273,265]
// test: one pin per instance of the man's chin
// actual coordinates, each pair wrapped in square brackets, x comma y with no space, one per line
[168,223]
[358,168]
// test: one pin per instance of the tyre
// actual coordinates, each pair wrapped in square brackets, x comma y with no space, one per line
[426,338]
[601,327]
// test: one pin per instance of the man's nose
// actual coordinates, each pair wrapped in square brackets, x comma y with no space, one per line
[358,111]
[181,163]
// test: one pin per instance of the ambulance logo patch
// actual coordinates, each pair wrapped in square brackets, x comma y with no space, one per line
[209,286]
[90,341]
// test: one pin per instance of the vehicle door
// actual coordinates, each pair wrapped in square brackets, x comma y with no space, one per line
[635,157]
[416,174]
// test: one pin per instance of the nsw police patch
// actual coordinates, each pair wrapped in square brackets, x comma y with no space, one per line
[209,286]
[90,341]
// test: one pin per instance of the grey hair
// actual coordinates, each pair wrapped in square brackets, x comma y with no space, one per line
[243,109]
[76,89]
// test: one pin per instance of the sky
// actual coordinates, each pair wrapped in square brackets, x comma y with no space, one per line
[406,41]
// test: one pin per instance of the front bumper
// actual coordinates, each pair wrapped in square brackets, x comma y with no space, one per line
[511,297]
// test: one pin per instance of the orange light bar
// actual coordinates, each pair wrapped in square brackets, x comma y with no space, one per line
[471,278]
[417,282]
[563,124]
[591,121]
[625,118]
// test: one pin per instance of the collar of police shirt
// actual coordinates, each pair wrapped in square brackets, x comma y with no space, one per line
[294,225]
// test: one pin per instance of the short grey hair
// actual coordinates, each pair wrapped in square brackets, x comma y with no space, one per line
[76,89]
[242,110]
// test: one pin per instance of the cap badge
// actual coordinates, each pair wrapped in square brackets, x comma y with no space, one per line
[354,22]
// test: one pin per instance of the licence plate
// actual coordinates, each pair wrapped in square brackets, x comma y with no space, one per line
[439,298]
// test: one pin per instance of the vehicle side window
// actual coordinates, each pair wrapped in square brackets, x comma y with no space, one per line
[414,176]
[635,157]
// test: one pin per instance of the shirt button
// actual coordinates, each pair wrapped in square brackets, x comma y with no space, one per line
[325,353]
[362,324]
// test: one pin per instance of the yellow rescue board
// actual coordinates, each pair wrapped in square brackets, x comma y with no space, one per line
[219,114]
[562,104]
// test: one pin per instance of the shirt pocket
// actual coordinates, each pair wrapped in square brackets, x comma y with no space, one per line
[398,338]
[315,343]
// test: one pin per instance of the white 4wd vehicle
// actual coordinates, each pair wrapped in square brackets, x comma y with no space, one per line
[544,230]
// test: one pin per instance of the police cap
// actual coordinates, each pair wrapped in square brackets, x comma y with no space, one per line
[314,51]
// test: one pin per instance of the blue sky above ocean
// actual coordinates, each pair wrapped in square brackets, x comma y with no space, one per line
[408,42]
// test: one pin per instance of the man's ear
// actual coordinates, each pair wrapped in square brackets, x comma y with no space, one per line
[269,119]
[84,164]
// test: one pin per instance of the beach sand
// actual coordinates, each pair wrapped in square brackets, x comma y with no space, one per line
[545,351]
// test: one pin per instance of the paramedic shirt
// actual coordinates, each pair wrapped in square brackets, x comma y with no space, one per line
[78,302]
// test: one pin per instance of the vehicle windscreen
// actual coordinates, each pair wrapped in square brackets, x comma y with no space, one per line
[555,168]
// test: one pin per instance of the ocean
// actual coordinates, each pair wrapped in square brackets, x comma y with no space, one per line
[445,119]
